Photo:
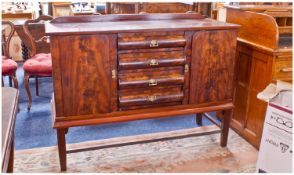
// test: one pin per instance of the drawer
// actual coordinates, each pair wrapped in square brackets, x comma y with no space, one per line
[125,108]
[283,70]
[151,40]
[150,59]
[151,77]
[150,96]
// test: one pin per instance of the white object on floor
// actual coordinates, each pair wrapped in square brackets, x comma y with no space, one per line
[275,152]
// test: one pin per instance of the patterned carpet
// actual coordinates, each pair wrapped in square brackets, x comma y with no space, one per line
[190,154]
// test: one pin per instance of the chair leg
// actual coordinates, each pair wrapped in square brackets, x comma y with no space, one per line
[15,82]
[26,82]
[37,86]
[10,81]
[199,119]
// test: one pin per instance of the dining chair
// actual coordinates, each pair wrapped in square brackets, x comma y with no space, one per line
[9,66]
[38,64]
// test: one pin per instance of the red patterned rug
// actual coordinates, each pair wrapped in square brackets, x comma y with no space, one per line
[190,154]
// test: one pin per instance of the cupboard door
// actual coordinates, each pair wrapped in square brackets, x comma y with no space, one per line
[212,66]
[87,73]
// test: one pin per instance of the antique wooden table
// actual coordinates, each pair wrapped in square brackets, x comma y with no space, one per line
[9,111]
[114,68]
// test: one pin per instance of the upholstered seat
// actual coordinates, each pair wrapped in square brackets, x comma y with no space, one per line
[40,64]
[8,66]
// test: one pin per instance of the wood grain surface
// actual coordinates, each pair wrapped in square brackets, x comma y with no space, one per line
[86,63]
[213,61]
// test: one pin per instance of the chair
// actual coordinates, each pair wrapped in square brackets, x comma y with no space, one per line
[38,64]
[9,66]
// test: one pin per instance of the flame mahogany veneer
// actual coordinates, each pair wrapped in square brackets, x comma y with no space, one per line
[116,68]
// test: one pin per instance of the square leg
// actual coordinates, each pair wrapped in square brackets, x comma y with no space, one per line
[225,125]
[62,148]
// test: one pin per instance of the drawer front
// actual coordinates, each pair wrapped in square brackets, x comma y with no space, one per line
[150,96]
[152,69]
[283,69]
[124,108]
[150,40]
[151,77]
[152,59]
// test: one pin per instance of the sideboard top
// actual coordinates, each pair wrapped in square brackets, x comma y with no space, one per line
[132,23]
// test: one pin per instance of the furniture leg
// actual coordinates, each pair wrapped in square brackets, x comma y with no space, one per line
[199,119]
[66,130]
[15,82]
[10,81]
[61,148]
[2,79]
[26,82]
[11,158]
[37,86]
[225,125]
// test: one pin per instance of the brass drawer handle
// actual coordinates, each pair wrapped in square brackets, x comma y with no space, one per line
[153,62]
[289,69]
[152,82]
[154,43]
[151,98]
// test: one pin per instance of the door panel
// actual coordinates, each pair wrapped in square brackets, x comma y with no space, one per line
[212,66]
[86,63]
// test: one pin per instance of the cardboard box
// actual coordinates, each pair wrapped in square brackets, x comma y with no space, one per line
[275,152]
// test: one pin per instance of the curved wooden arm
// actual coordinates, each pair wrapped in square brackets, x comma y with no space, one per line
[29,35]
[7,42]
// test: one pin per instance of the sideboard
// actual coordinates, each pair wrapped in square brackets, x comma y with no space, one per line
[115,68]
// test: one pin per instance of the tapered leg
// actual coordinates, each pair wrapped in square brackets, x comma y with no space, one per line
[66,130]
[37,86]
[225,125]
[11,158]
[61,148]
[15,82]
[199,119]
[26,82]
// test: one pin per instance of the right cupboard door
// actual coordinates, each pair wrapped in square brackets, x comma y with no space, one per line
[212,66]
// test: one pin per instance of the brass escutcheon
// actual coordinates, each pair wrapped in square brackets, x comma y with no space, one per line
[113,73]
[186,68]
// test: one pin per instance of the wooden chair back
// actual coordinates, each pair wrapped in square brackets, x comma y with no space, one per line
[7,38]
[35,33]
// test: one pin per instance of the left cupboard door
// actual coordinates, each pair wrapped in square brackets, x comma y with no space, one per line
[84,74]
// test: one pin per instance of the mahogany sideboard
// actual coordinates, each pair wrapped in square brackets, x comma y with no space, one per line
[264,55]
[115,68]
